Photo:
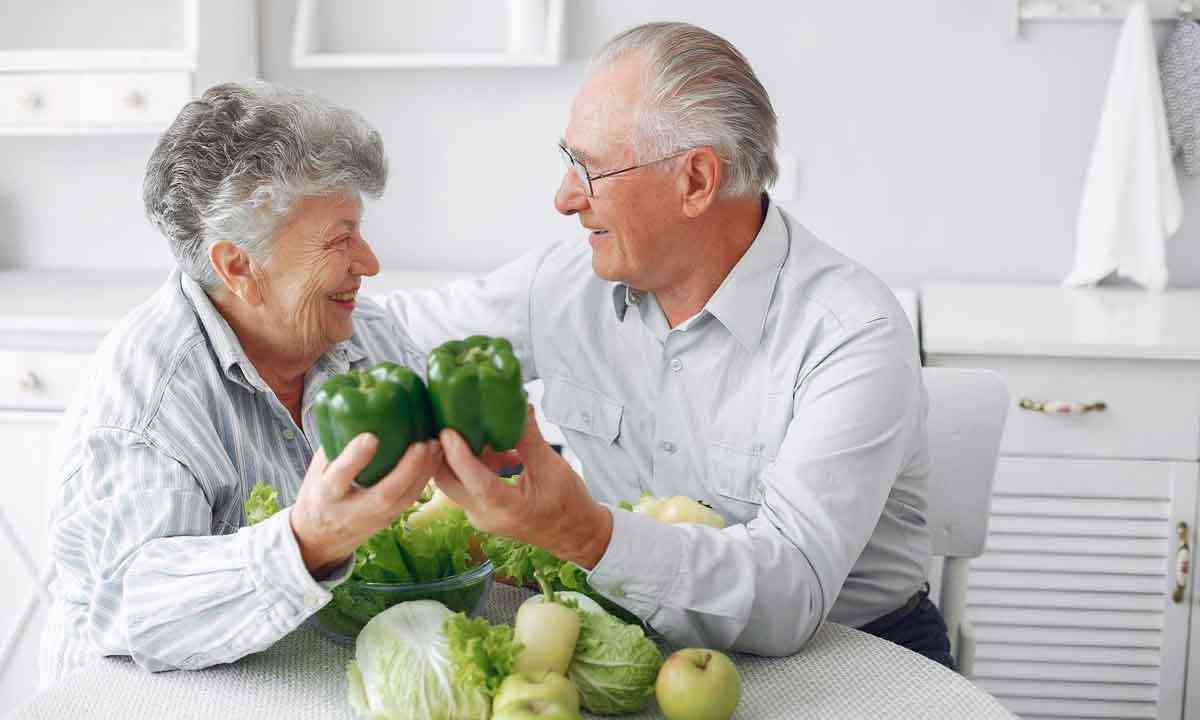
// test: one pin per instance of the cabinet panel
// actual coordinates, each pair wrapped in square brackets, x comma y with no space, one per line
[37,380]
[1151,406]
[27,442]
[1072,599]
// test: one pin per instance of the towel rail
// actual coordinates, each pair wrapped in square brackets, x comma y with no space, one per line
[1098,10]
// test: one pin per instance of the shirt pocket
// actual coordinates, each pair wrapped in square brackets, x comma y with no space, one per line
[735,473]
[575,407]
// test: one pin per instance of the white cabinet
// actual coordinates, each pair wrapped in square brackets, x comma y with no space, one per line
[116,66]
[25,445]
[1074,598]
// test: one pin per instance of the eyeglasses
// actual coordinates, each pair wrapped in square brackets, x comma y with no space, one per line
[586,179]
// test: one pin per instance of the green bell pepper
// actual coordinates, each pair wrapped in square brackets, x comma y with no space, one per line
[387,400]
[475,388]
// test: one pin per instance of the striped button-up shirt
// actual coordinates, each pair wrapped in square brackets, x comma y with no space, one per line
[792,403]
[160,450]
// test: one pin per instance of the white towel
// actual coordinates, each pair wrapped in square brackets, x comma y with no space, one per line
[1131,201]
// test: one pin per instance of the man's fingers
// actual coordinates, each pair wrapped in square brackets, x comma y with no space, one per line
[476,478]
[340,474]
[532,447]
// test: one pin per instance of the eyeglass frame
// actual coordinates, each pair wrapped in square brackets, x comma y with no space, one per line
[591,193]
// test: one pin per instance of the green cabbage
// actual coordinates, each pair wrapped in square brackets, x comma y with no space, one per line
[614,666]
[418,660]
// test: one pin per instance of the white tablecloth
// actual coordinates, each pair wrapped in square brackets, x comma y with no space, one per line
[842,673]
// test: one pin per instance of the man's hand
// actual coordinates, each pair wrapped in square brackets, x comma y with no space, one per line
[549,507]
[333,516]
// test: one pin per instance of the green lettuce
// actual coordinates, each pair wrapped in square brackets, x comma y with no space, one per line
[482,654]
[524,563]
[614,666]
[262,503]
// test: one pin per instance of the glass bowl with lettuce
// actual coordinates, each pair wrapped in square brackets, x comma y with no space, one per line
[430,552]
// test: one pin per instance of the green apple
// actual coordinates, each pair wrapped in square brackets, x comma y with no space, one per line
[435,508]
[536,710]
[680,509]
[548,631]
[698,684]
[536,686]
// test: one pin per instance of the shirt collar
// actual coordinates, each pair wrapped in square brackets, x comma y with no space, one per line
[742,300]
[228,348]
[744,296]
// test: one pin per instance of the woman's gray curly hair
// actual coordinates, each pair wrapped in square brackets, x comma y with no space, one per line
[698,90]
[234,163]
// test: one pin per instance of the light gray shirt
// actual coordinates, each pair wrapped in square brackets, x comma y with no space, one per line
[169,434]
[792,403]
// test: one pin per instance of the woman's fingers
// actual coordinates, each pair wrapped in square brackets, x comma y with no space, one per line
[404,482]
[339,475]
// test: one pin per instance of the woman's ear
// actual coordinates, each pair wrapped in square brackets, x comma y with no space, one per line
[232,265]
[701,180]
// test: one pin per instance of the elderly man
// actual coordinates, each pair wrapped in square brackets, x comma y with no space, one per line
[207,388]
[703,343]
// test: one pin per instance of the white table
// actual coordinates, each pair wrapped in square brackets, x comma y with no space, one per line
[842,673]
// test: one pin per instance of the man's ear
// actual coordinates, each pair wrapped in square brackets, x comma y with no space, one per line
[233,267]
[700,180]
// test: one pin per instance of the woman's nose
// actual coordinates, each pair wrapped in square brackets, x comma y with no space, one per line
[364,261]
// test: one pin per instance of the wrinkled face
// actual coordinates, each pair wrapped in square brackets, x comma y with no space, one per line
[633,220]
[311,279]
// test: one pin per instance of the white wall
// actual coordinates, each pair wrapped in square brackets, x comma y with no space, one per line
[931,143]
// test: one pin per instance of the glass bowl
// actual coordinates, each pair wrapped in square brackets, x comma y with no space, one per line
[357,601]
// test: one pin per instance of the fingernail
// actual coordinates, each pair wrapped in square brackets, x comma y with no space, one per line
[367,441]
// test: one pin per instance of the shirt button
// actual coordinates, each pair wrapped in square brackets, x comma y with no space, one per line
[668,447]
[586,417]
[312,601]
[289,435]
[676,365]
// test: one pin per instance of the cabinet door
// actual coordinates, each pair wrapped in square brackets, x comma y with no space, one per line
[26,444]
[1072,599]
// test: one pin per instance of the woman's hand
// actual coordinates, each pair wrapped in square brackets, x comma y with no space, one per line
[333,516]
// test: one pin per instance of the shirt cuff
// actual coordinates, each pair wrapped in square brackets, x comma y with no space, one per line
[340,575]
[287,587]
[627,573]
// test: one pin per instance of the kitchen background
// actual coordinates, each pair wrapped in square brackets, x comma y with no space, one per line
[928,139]
[925,139]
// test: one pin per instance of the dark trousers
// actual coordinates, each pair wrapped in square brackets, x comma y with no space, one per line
[918,626]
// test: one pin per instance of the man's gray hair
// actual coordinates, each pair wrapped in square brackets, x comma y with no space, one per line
[698,90]
[234,163]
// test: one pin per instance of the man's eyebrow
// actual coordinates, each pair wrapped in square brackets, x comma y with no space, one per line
[576,153]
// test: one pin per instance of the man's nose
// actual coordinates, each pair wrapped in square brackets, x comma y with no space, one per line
[363,262]
[571,197]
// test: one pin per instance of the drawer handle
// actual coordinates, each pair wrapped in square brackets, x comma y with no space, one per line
[33,101]
[1183,563]
[29,382]
[135,100]
[1061,407]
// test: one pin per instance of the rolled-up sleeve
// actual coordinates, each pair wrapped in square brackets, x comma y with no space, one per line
[765,587]
[135,548]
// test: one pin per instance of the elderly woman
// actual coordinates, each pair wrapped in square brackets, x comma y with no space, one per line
[207,388]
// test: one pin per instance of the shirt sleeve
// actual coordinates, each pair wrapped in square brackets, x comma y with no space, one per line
[136,549]
[765,587]
[497,304]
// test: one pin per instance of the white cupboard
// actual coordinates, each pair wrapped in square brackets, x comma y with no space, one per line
[1079,602]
